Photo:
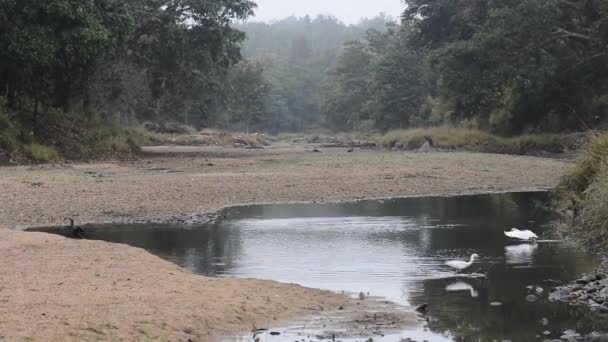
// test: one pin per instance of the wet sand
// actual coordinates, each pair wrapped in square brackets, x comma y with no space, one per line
[56,289]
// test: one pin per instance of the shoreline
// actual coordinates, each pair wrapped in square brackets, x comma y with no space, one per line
[193,190]
[91,290]
[217,215]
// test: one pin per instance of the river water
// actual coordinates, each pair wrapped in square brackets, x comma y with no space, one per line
[396,249]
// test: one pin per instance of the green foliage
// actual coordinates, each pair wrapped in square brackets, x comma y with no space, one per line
[41,154]
[583,196]
[9,133]
[347,90]
[248,93]
[516,66]
[296,53]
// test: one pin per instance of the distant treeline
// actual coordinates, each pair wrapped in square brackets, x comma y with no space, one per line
[506,66]
[509,67]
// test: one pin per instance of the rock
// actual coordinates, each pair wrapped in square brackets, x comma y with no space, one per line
[496,304]
[570,335]
[582,281]
[544,321]
[603,309]
[426,148]
[531,298]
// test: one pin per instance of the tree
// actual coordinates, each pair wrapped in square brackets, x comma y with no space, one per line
[401,81]
[249,92]
[347,90]
[517,65]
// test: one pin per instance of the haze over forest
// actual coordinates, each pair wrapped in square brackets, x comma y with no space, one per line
[506,67]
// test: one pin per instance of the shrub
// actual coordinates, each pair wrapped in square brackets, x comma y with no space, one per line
[443,137]
[41,154]
[9,134]
[477,140]
[582,197]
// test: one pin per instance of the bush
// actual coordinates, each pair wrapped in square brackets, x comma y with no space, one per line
[9,134]
[477,140]
[582,197]
[41,154]
[443,137]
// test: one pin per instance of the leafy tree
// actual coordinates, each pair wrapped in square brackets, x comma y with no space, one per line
[249,91]
[347,91]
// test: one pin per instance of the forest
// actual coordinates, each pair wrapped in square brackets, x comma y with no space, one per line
[69,67]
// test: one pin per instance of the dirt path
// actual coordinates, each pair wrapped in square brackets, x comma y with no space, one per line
[57,289]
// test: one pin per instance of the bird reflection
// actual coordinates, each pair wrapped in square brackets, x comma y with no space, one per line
[462,286]
[520,254]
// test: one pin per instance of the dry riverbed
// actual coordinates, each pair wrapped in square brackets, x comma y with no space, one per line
[52,288]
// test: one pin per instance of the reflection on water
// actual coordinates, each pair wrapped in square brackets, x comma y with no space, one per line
[462,286]
[396,249]
[522,254]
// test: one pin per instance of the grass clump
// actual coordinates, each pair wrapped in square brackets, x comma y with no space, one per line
[582,197]
[41,154]
[443,137]
[476,140]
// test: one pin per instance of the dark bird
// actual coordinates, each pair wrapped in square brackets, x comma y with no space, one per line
[422,308]
[352,149]
[75,232]
[316,150]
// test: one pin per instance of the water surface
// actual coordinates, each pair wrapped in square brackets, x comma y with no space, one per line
[395,249]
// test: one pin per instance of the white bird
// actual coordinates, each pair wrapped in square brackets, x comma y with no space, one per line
[461,265]
[521,234]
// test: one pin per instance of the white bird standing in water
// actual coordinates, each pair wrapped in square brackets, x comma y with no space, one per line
[462,265]
[526,235]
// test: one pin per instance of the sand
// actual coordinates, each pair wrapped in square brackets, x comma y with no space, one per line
[55,289]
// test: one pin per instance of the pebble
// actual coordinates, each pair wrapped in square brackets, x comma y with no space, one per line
[496,303]
[531,298]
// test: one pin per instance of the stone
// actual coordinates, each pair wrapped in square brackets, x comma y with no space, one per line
[531,298]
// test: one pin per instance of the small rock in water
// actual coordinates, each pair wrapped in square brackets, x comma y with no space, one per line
[539,290]
[546,333]
[496,303]
[570,334]
[531,298]
[275,333]
[582,281]
[544,321]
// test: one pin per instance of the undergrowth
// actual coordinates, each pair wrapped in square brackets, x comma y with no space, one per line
[476,140]
[582,197]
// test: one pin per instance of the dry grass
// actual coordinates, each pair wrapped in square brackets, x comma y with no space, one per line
[476,140]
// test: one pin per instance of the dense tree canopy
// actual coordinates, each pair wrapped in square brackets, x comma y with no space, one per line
[509,66]
[139,59]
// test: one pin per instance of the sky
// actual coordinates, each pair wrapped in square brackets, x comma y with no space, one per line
[348,11]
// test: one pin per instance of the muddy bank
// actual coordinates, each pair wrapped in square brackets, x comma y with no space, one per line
[177,185]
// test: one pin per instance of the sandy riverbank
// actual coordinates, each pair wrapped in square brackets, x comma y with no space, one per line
[57,289]
[197,181]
